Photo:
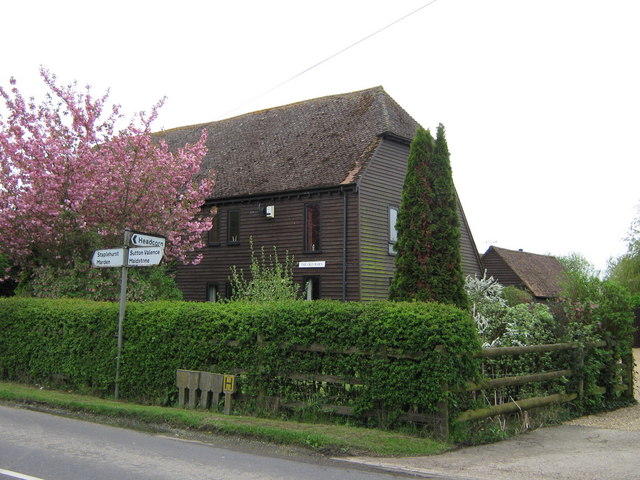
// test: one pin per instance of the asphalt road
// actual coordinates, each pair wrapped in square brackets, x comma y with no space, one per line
[40,446]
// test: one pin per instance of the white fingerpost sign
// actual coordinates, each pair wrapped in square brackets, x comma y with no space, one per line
[144,256]
[111,257]
[146,240]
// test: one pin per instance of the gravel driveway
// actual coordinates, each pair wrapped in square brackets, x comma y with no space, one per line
[625,419]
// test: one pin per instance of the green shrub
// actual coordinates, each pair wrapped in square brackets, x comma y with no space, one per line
[595,310]
[598,310]
[40,338]
[271,280]
[516,296]
[81,280]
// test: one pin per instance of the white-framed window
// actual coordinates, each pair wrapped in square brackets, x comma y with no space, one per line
[393,233]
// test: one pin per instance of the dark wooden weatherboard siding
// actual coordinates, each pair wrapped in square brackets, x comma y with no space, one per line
[471,260]
[380,187]
[286,232]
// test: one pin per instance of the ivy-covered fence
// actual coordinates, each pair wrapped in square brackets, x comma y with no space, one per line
[577,373]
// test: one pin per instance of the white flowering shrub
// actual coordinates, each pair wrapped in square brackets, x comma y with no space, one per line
[528,324]
[502,325]
[485,298]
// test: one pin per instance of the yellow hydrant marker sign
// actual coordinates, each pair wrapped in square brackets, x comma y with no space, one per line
[229,384]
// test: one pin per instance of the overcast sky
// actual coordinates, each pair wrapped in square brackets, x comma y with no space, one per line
[540,99]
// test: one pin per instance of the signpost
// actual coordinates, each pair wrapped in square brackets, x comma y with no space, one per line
[147,250]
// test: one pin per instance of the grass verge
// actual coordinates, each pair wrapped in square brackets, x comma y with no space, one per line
[328,439]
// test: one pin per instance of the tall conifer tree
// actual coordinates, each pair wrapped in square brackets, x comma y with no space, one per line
[428,262]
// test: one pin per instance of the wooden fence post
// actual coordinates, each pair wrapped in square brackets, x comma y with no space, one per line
[628,379]
[443,414]
[609,372]
[580,370]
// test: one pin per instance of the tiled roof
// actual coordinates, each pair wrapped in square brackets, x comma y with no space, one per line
[541,274]
[311,144]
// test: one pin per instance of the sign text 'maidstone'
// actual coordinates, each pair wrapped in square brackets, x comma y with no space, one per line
[144,257]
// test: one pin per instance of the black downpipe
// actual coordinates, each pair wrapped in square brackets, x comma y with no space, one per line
[345,227]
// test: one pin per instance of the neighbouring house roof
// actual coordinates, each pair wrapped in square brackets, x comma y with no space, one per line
[541,274]
[311,144]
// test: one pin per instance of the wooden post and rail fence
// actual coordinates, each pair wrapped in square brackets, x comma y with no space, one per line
[441,419]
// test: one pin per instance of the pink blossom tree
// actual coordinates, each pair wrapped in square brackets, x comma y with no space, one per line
[72,180]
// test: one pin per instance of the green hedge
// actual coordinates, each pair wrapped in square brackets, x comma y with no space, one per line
[41,338]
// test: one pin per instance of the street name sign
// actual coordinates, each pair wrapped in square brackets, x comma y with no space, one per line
[316,264]
[144,240]
[110,257]
[145,256]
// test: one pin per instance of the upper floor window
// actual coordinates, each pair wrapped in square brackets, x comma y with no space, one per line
[213,237]
[393,233]
[312,227]
[233,227]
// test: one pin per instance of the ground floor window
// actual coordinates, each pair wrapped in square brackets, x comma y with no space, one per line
[228,290]
[212,293]
[311,287]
